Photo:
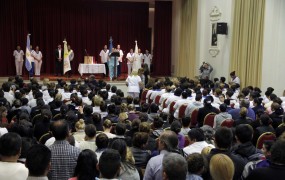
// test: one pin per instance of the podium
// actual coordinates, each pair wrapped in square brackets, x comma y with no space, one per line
[88,59]
[115,54]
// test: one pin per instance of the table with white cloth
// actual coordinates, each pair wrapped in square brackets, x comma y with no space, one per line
[91,69]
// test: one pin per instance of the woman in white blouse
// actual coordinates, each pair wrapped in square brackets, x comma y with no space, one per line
[37,54]
[134,83]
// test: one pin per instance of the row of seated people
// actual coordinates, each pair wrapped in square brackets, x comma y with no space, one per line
[115,119]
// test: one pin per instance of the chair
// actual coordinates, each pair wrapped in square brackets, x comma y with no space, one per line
[156,100]
[209,119]
[143,96]
[187,142]
[149,100]
[171,107]
[181,112]
[227,123]
[167,129]
[194,116]
[164,103]
[36,118]
[57,116]
[267,136]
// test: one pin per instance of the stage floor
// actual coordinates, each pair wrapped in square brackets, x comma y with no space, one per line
[119,82]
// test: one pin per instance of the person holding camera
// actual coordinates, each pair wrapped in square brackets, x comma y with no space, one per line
[205,72]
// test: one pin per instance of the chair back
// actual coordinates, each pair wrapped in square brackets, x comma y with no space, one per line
[164,103]
[227,123]
[209,119]
[187,142]
[148,99]
[194,116]
[156,100]
[143,96]
[171,107]
[267,136]
[181,112]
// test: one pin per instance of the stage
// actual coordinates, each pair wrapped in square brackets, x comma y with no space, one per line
[119,82]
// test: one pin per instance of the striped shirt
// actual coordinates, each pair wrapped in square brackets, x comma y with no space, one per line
[63,160]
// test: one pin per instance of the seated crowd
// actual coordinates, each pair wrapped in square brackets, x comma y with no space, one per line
[177,129]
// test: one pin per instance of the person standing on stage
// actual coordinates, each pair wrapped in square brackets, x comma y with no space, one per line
[130,57]
[138,61]
[32,71]
[147,59]
[111,64]
[104,54]
[71,57]
[120,59]
[37,55]
[18,54]
[58,61]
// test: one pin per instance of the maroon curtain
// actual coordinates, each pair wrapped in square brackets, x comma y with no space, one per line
[162,38]
[86,24]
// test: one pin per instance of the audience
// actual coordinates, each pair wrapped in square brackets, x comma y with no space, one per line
[50,113]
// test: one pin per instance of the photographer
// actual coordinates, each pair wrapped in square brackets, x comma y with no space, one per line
[205,72]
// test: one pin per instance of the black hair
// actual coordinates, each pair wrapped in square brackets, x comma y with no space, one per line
[185,121]
[175,127]
[88,110]
[157,122]
[113,89]
[109,163]
[111,109]
[153,108]
[120,129]
[244,133]
[102,141]
[38,159]
[272,97]
[265,120]
[10,144]
[278,153]
[60,129]
[86,165]
[223,138]
[121,146]
[223,79]
[198,97]
[196,134]
[223,107]
[257,100]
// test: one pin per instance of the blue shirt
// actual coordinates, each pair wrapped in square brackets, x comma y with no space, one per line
[235,114]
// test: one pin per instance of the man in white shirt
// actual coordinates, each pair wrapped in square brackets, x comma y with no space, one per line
[10,150]
[37,55]
[180,102]
[147,59]
[195,105]
[104,53]
[170,99]
[197,142]
[120,60]
[130,57]
[18,54]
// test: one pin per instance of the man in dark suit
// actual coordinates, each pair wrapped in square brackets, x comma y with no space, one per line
[59,61]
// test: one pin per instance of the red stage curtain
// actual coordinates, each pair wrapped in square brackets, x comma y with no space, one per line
[86,24]
[162,38]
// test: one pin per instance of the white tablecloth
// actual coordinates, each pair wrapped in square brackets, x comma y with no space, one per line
[91,68]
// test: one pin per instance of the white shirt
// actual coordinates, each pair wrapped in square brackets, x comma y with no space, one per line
[147,58]
[104,55]
[59,53]
[133,83]
[87,145]
[18,55]
[13,170]
[138,61]
[236,80]
[120,59]
[9,97]
[130,57]
[178,104]
[196,147]
[191,107]
[38,55]
[32,58]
